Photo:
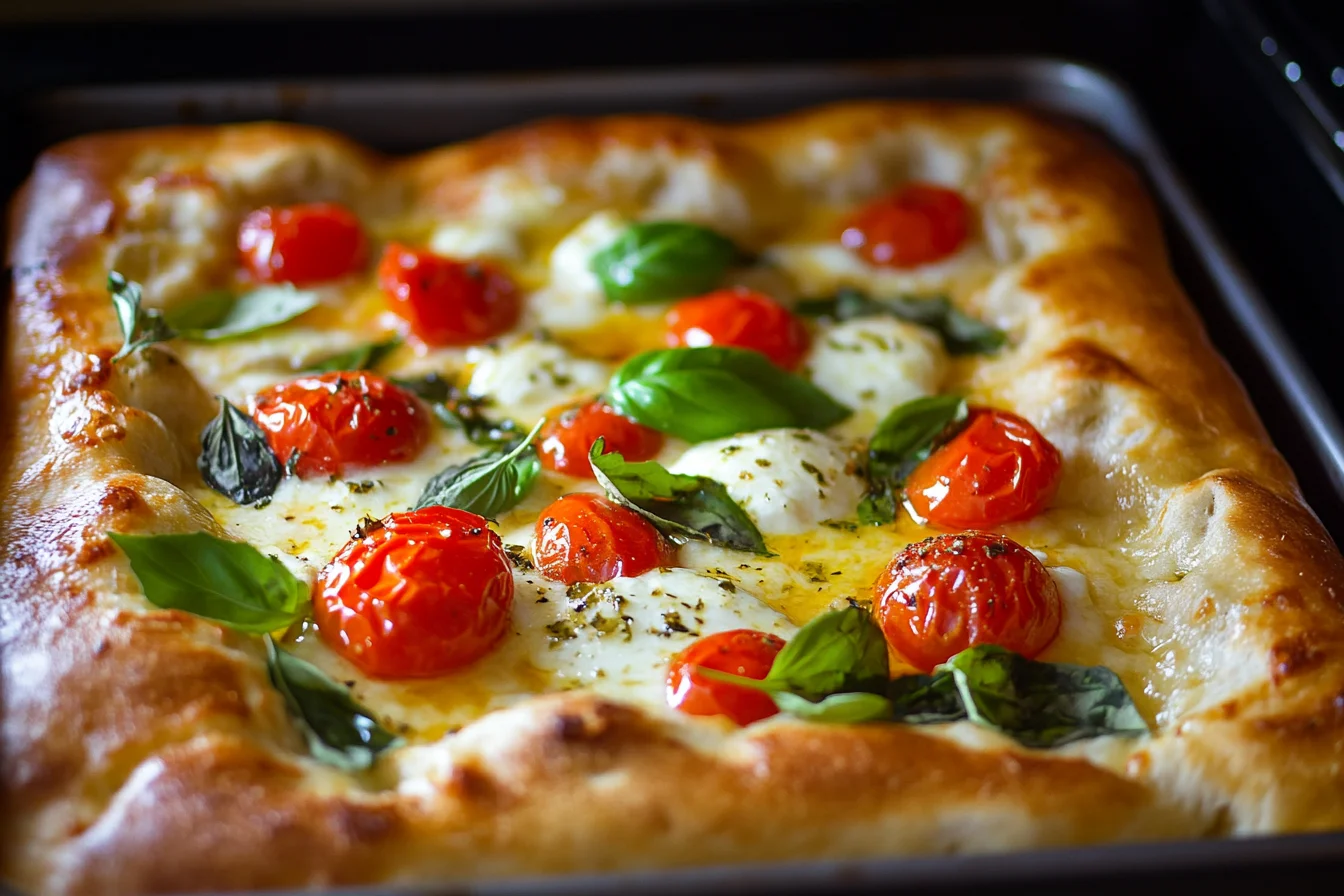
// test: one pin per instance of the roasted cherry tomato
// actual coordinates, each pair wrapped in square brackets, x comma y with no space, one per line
[417,594]
[951,592]
[446,301]
[302,244]
[567,438]
[740,652]
[586,538]
[739,317]
[338,420]
[999,468]
[915,225]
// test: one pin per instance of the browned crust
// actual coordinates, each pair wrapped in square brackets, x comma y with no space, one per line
[144,751]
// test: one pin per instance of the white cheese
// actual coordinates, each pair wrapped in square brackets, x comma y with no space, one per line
[574,298]
[528,378]
[821,268]
[465,239]
[787,480]
[873,364]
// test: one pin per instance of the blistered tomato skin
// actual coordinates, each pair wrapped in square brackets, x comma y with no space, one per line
[741,318]
[418,594]
[338,420]
[917,224]
[739,652]
[588,538]
[302,244]
[997,469]
[943,595]
[448,302]
[567,438]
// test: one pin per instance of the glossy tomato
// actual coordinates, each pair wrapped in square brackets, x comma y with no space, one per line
[941,596]
[302,244]
[566,439]
[740,652]
[417,594]
[587,538]
[916,224]
[742,318]
[446,301]
[342,419]
[997,469]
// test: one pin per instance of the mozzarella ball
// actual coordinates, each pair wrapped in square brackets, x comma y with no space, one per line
[873,364]
[529,378]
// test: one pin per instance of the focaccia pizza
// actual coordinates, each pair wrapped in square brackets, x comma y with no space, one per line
[633,493]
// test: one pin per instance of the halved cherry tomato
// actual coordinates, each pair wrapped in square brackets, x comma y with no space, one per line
[914,225]
[567,438]
[302,244]
[998,469]
[740,652]
[345,418]
[417,594]
[586,538]
[446,301]
[739,317]
[951,592]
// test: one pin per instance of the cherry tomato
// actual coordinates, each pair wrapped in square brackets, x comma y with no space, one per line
[567,439]
[951,592]
[915,225]
[417,594]
[302,244]
[740,652]
[739,317]
[998,469]
[586,538]
[340,419]
[446,301]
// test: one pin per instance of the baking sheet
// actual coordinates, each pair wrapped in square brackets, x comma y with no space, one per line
[405,115]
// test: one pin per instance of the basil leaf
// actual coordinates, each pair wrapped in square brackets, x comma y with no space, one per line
[961,334]
[904,438]
[461,412]
[925,699]
[662,260]
[847,708]
[1041,704]
[843,650]
[236,460]
[225,581]
[339,731]
[139,326]
[488,484]
[363,357]
[218,316]
[710,392]
[681,507]
[431,387]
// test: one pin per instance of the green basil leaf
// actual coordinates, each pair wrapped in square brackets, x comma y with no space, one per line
[236,460]
[925,699]
[961,334]
[139,326]
[1041,704]
[431,387]
[488,484]
[363,357]
[226,581]
[218,316]
[462,412]
[847,708]
[339,731]
[843,650]
[711,392]
[904,438]
[662,260]
[681,507]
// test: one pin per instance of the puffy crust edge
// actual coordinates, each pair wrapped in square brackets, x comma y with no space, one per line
[125,730]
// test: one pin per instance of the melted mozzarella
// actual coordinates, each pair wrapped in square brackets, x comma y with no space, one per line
[529,378]
[873,364]
[465,239]
[574,298]
[821,268]
[787,480]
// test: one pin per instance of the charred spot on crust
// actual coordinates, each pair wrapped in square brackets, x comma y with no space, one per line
[1293,656]
[1087,360]
[120,499]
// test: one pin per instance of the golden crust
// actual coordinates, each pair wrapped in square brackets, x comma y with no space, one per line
[144,751]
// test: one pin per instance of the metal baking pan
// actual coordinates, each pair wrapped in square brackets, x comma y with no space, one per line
[405,115]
